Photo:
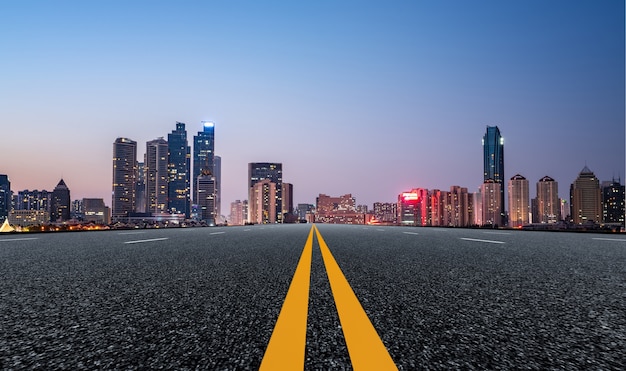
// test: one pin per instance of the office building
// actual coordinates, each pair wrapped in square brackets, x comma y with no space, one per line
[306,212]
[140,189]
[258,171]
[203,152]
[5,197]
[179,161]
[386,212]
[287,195]
[263,202]
[518,201]
[94,210]
[237,213]
[586,198]
[413,207]
[205,194]
[124,178]
[156,164]
[548,205]
[60,203]
[217,172]
[457,207]
[613,203]
[25,218]
[491,203]
[493,164]
[33,200]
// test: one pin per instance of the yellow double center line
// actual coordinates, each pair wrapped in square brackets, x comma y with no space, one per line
[286,348]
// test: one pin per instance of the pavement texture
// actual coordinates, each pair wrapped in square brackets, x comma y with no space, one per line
[208,298]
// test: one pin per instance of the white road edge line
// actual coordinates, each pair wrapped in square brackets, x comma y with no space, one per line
[410,233]
[477,240]
[217,232]
[150,240]
[609,239]
[20,239]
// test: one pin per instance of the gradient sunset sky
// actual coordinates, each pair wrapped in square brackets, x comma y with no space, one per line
[365,97]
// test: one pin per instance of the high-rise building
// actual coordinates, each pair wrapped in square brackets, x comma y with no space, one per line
[586,198]
[33,200]
[287,195]
[478,207]
[179,161]
[236,213]
[203,152]
[491,203]
[60,203]
[338,210]
[205,194]
[217,172]
[5,197]
[458,207]
[547,203]
[413,207]
[258,171]
[613,202]
[140,189]
[156,164]
[493,163]
[124,178]
[263,202]
[518,201]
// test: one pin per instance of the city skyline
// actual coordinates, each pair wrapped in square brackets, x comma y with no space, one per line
[404,103]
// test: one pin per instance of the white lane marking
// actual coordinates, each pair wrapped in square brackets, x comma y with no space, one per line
[246,230]
[505,233]
[217,232]
[127,233]
[150,240]
[20,239]
[609,239]
[477,240]
[379,229]
[410,233]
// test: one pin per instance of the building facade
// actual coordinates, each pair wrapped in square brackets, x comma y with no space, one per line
[493,164]
[178,170]
[613,203]
[519,201]
[491,203]
[156,178]
[5,197]
[203,152]
[385,212]
[60,203]
[236,213]
[287,196]
[548,205]
[337,210]
[94,210]
[205,195]
[586,198]
[263,202]
[259,171]
[124,178]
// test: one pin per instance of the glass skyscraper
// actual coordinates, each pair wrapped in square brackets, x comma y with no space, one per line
[179,158]
[493,159]
[5,197]
[203,153]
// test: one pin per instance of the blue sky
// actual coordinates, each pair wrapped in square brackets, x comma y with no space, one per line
[363,97]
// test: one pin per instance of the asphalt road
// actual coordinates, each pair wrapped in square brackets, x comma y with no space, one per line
[208,298]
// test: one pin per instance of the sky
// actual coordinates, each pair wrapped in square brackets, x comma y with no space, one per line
[371,98]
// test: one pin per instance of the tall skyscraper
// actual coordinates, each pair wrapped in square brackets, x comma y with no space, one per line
[236,213]
[124,177]
[5,197]
[156,163]
[217,172]
[459,210]
[518,201]
[586,198]
[493,163]
[203,152]
[140,188]
[60,205]
[179,160]
[548,203]
[613,202]
[205,194]
[258,171]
